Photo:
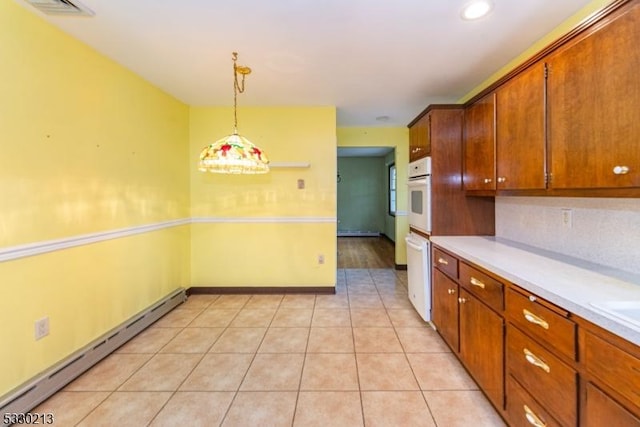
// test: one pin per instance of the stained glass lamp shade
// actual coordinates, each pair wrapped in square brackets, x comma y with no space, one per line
[234,154]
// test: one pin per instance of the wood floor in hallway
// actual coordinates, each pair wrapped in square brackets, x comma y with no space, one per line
[366,252]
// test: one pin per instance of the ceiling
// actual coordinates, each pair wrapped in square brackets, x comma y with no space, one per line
[380,62]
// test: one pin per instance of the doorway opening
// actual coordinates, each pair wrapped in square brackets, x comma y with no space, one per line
[366,207]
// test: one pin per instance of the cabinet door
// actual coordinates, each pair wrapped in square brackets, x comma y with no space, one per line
[593,104]
[479,145]
[420,139]
[520,131]
[601,410]
[482,346]
[444,308]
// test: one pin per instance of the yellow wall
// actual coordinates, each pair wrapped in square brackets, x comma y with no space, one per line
[280,250]
[562,29]
[397,137]
[86,146]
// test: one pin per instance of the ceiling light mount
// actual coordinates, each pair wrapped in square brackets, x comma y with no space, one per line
[234,154]
[476,9]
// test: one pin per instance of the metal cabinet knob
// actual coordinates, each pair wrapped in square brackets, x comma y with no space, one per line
[502,179]
[487,180]
[462,300]
[451,291]
[621,170]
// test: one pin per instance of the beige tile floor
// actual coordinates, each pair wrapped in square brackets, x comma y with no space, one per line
[360,357]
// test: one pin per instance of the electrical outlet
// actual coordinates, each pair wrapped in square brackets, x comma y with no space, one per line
[567,218]
[321,259]
[42,328]
[301,184]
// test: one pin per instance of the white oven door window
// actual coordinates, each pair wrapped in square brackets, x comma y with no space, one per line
[419,205]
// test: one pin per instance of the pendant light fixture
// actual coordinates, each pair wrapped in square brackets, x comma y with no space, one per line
[234,153]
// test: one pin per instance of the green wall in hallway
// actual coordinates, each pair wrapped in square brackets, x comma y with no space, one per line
[362,194]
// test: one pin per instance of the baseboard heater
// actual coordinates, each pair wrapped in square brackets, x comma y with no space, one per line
[35,391]
[358,234]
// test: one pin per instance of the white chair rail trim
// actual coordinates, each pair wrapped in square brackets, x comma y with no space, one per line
[36,248]
[267,220]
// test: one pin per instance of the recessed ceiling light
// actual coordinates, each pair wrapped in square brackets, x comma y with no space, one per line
[476,9]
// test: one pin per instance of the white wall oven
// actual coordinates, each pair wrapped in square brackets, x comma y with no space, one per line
[420,195]
[418,244]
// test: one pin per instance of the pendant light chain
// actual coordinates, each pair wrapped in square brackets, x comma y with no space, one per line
[237,88]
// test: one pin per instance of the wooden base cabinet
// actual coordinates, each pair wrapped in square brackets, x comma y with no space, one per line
[602,410]
[471,328]
[538,364]
[611,380]
[445,308]
[482,346]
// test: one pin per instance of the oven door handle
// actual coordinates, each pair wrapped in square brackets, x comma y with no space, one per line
[417,182]
[412,245]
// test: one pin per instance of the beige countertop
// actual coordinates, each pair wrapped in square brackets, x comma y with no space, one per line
[568,282]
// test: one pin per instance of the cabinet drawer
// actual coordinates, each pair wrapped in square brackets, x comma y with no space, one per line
[487,289]
[617,368]
[446,263]
[547,379]
[523,410]
[550,327]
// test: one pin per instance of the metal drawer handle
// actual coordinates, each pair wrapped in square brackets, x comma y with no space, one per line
[621,170]
[532,318]
[533,419]
[536,361]
[476,282]
[451,291]
[443,261]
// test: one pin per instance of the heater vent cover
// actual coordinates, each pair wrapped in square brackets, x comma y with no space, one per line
[61,7]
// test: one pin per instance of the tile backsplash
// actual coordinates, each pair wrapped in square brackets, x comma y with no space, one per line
[603,231]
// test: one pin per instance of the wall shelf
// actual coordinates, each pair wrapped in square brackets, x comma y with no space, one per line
[285,165]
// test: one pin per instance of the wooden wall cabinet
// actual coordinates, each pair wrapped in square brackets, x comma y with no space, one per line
[520,131]
[504,138]
[593,102]
[420,138]
[565,122]
[480,145]
[453,213]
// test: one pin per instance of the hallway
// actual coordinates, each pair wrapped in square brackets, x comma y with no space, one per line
[366,252]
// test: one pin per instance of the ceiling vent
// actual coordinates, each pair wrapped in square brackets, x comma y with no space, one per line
[61,7]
